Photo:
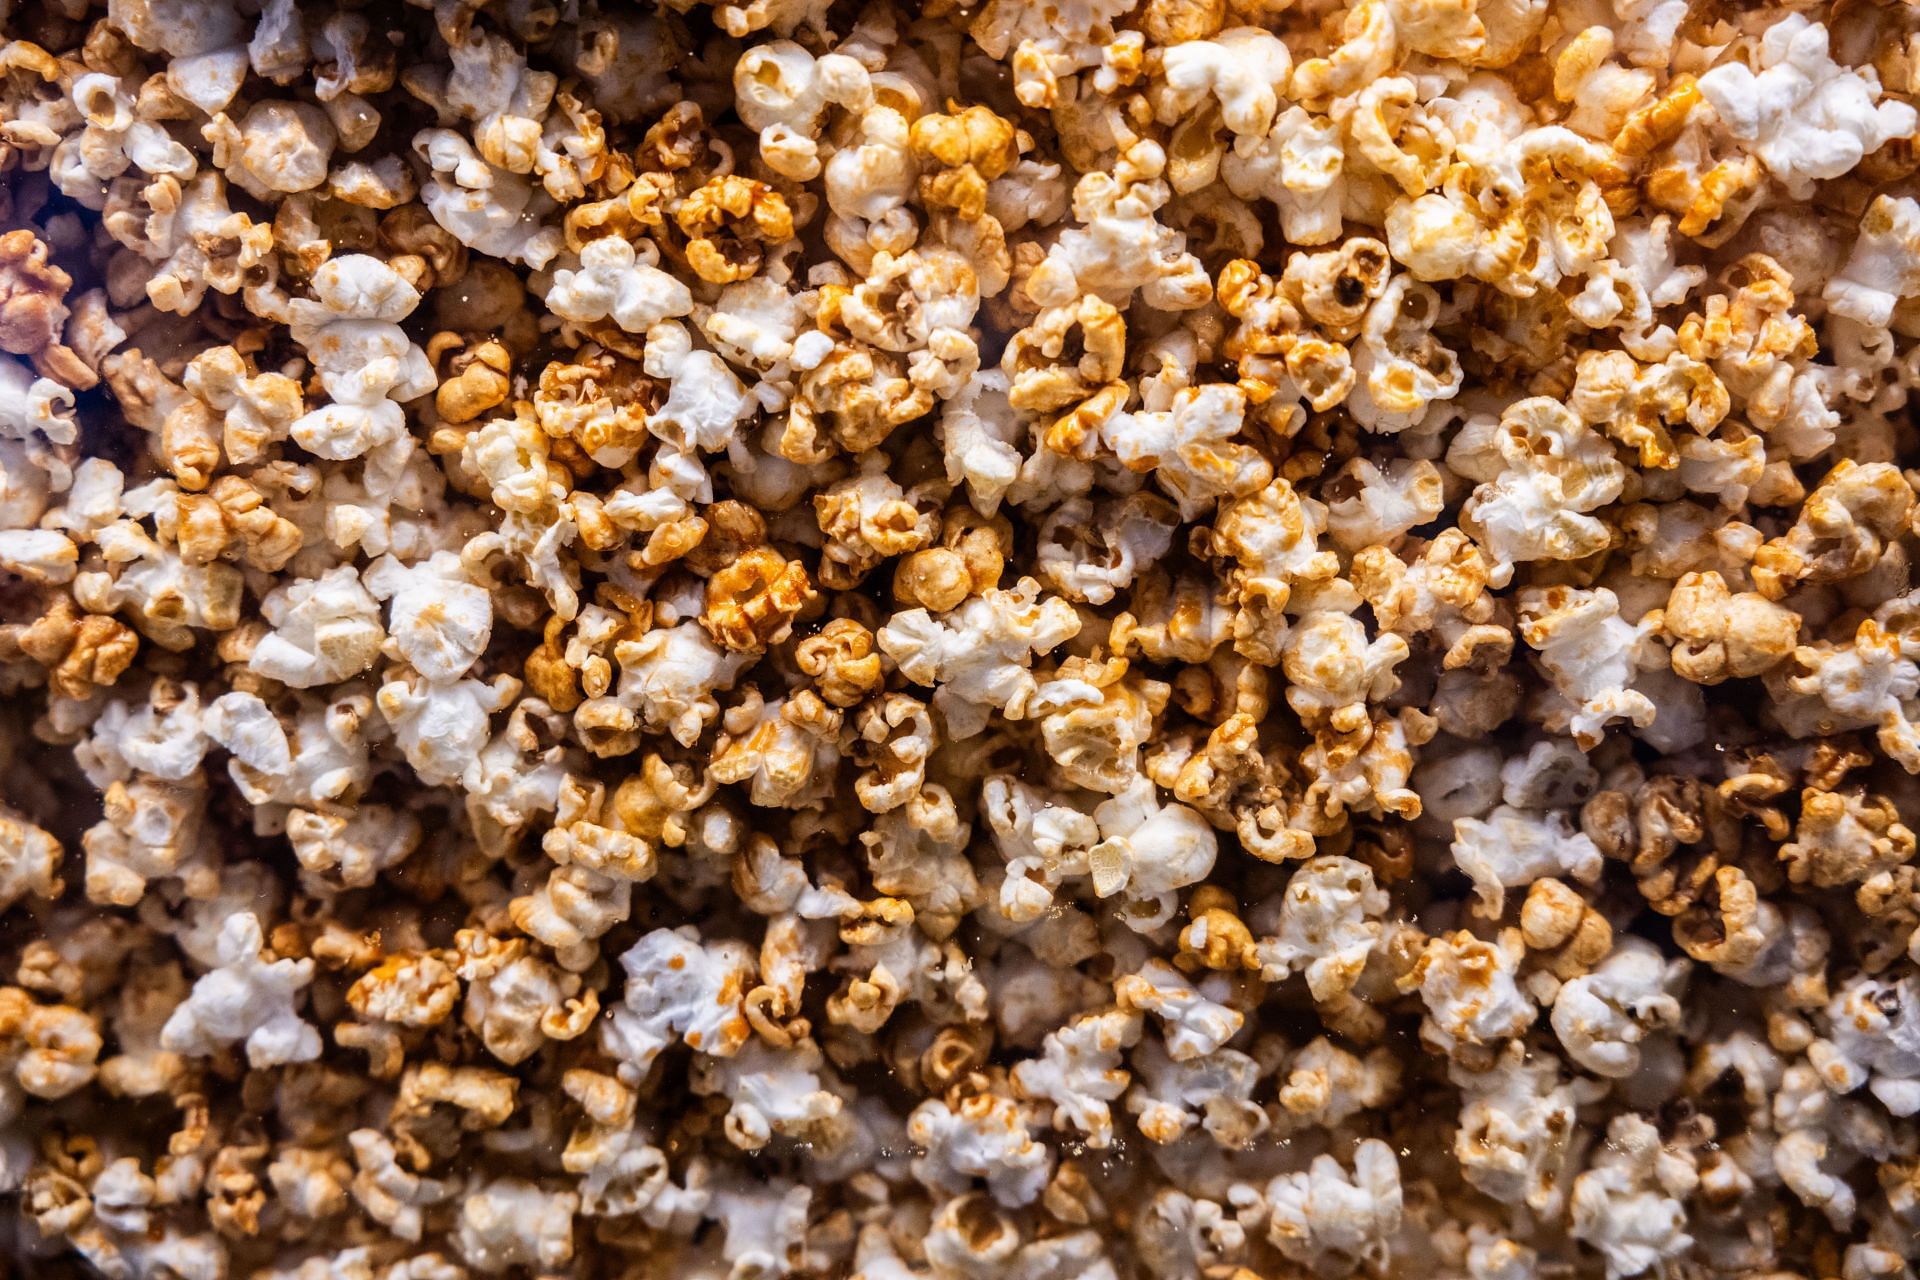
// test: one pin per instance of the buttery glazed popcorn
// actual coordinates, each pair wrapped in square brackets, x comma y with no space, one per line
[1180,640]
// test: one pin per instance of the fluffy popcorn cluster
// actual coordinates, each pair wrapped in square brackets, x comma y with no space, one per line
[1104,640]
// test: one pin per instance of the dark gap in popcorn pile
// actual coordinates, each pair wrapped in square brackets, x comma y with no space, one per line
[1181,640]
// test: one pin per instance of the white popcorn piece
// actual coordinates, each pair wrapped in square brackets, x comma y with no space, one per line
[986,1137]
[978,655]
[616,280]
[326,630]
[1468,985]
[1520,1137]
[1628,1204]
[1328,926]
[246,1000]
[1512,848]
[510,1222]
[1874,1039]
[1328,1218]
[1080,1073]
[1194,1024]
[365,360]
[438,618]
[1602,1017]
[679,990]
[1803,114]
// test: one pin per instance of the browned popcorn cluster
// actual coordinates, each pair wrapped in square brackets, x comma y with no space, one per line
[1181,640]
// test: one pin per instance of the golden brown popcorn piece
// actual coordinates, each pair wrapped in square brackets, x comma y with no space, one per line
[483,1097]
[1069,359]
[934,578]
[49,1050]
[1842,531]
[547,672]
[475,380]
[728,223]
[33,310]
[1556,920]
[81,652]
[842,661]
[1723,636]
[1845,838]
[964,151]
[234,1194]
[596,399]
[753,602]
[1177,21]
[859,395]
[1216,938]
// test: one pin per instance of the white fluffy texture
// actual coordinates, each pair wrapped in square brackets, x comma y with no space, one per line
[617,281]
[1873,1038]
[440,726]
[364,359]
[1239,68]
[1158,847]
[1884,265]
[1189,448]
[1628,1204]
[679,990]
[987,1137]
[1080,1072]
[1470,989]
[246,999]
[765,1224]
[439,618]
[1519,1137]
[1193,1023]
[1299,166]
[1603,1017]
[1591,654]
[1511,848]
[978,655]
[774,1092]
[1552,469]
[669,676]
[1805,116]
[489,209]
[1329,922]
[510,1222]
[704,401]
[1119,249]
[326,630]
[1214,1092]
[1328,1218]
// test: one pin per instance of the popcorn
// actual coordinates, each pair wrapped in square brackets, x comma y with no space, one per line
[984,1138]
[616,280]
[679,990]
[976,551]
[1512,848]
[1326,1218]
[364,359]
[327,630]
[1325,929]
[979,655]
[1468,985]
[1804,115]
[245,1000]
[1602,1017]
[1627,1204]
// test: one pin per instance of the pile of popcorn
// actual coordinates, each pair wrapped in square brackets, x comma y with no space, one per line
[1229,639]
